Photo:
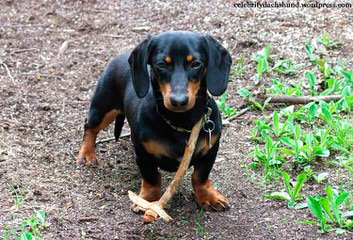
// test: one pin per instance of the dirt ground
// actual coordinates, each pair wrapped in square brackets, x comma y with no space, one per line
[51,55]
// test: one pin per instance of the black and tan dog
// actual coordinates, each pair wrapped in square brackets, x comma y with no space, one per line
[161,88]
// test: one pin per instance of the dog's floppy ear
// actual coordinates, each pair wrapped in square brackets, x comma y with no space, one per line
[219,62]
[138,65]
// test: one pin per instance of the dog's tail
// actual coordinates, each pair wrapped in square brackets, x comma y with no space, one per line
[119,122]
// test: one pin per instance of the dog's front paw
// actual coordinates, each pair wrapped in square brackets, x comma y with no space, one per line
[149,192]
[87,156]
[209,198]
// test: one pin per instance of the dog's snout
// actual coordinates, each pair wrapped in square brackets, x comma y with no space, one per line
[179,100]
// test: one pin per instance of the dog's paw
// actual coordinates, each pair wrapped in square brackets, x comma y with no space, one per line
[87,157]
[137,209]
[150,193]
[209,198]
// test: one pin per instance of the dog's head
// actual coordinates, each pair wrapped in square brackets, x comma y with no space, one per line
[180,63]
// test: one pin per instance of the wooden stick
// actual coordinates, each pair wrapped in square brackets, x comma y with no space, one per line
[88,219]
[155,209]
[8,71]
[240,113]
[275,98]
[145,205]
[24,25]
[300,99]
[113,138]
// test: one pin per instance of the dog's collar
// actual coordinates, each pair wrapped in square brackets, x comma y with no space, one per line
[206,118]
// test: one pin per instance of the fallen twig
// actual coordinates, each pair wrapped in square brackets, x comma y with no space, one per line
[240,113]
[113,138]
[8,72]
[24,50]
[24,26]
[300,99]
[155,209]
[63,47]
[88,219]
[112,36]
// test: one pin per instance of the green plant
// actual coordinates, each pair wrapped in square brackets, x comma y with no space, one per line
[327,42]
[311,79]
[224,107]
[281,129]
[279,87]
[262,58]
[18,196]
[286,67]
[292,193]
[329,212]
[309,49]
[297,137]
[30,228]
[246,94]
[267,157]
[200,227]
[311,175]
[239,67]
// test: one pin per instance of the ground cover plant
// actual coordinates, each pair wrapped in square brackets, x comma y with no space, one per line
[293,138]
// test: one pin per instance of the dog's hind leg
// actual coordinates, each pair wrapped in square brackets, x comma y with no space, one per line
[87,154]
[106,106]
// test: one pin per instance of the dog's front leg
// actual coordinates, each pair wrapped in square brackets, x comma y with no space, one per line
[205,194]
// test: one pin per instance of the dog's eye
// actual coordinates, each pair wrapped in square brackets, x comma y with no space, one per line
[162,65]
[196,64]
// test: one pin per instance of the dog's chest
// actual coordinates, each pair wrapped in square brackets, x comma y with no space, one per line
[174,148]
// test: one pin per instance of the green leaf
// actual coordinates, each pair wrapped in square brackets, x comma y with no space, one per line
[266,102]
[329,193]
[326,205]
[300,182]
[286,180]
[244,92]
[257,104]
[327,70]
[340,148]
[278,195]
[287,141]
[311,78]
[291,203]
[326,112]
[349,224]
[306,222]
[276,123]
[341,198]
[323,224]
[314,207]
[322,153]
[312,111]
[288,111]
[347,75]
[301,205]
[26,235]
[321,177]
[340,231]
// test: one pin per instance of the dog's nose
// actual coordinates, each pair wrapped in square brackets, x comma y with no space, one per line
[179,100]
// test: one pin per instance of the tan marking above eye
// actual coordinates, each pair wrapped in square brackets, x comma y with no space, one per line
[168,59]
[189,58]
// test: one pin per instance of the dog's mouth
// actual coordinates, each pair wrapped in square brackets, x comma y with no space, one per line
[168,105]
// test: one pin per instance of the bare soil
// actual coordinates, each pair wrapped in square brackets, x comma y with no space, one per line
[51,55]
